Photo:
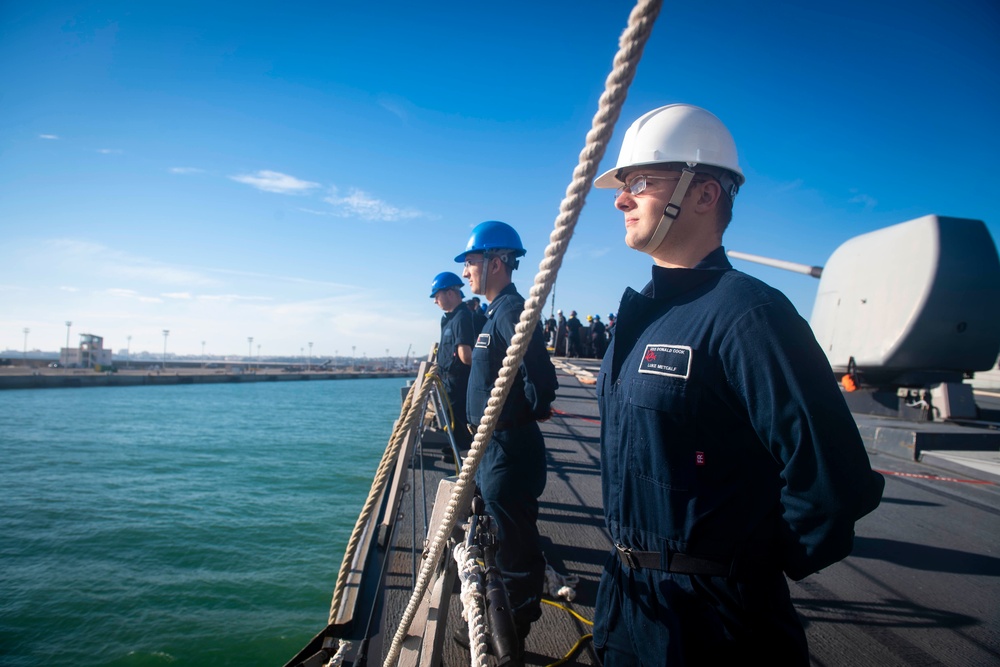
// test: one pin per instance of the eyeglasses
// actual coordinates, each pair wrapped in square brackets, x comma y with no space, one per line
[481,259]
[637,185]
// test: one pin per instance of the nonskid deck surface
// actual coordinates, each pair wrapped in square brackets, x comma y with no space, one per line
[920,588]
[570,522]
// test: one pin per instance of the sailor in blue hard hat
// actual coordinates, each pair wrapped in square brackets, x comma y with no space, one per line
[491,239]
[511,475]
[444,281]
[454,353]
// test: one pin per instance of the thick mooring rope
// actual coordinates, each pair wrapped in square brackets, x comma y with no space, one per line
[408,414]
[630,46]
[473,601]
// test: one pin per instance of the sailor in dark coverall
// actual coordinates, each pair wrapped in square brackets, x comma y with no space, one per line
[729,458]
[454,354]
[478,316]
[560,350]
[511,475]
[573,328]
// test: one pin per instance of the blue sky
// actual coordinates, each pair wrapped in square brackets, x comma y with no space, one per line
[299,172]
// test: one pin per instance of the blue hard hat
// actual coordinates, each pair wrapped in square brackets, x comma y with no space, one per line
[444,280]
[493,235]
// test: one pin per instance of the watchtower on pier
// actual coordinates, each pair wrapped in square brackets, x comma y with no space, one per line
[90,354]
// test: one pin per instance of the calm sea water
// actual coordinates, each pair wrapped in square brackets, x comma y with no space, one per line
[190,525]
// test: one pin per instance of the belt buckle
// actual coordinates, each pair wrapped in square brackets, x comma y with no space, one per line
[625,553]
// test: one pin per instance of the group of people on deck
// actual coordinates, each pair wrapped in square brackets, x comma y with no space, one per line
[572,338]
[729,459]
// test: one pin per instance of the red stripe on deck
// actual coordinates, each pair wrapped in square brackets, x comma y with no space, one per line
[936,478]
[566,414]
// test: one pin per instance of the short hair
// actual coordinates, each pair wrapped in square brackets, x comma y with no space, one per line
[507,256]
[724,208]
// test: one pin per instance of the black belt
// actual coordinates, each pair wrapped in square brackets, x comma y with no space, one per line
[678,563]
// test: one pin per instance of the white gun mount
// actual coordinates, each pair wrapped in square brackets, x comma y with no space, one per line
[913,305]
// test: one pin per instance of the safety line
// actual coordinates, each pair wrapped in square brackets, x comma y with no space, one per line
[935,478]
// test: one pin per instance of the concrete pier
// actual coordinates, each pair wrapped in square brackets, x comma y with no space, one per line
[20,378]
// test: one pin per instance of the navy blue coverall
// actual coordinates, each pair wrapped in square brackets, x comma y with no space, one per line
[729,459]
[511,475]
[456,329]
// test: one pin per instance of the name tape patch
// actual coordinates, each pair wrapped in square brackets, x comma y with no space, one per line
[668,360]
[483,340]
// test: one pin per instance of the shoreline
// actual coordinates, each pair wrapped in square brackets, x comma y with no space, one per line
[70,379]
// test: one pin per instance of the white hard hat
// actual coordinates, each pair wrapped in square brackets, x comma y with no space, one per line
[677,133]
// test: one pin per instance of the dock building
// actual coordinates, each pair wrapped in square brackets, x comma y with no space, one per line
[90,354]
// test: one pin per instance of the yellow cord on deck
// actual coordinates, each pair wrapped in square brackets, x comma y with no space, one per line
[579,642]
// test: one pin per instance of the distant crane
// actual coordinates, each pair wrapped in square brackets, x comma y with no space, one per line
[406,359]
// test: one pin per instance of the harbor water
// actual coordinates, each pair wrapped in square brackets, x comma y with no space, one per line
[184,525]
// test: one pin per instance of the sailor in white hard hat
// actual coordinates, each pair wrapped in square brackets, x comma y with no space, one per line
[728,455]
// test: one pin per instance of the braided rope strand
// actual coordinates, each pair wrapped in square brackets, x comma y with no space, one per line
[631,45]
[473,602]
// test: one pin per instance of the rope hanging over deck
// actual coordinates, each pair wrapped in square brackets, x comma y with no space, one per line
[631,44]
[473,602]
[408,414]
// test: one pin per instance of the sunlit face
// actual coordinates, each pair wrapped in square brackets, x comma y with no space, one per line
[447,299]
[473,272]
[644,209]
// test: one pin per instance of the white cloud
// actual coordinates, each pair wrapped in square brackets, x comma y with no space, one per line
[361,204]
[275,181]
[185,296]
[230,298]
[109,151]
[271,278]
[186,170]
[395,105]
[125,293]
[48,136]
[789,186]
[121,294]
[95,259]
[868,202]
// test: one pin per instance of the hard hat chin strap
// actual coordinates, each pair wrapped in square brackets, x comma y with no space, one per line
[504,258]
[485,271]
[670,213]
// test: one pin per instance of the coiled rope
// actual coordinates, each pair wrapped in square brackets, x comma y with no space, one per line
[630,46]
[338,658]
